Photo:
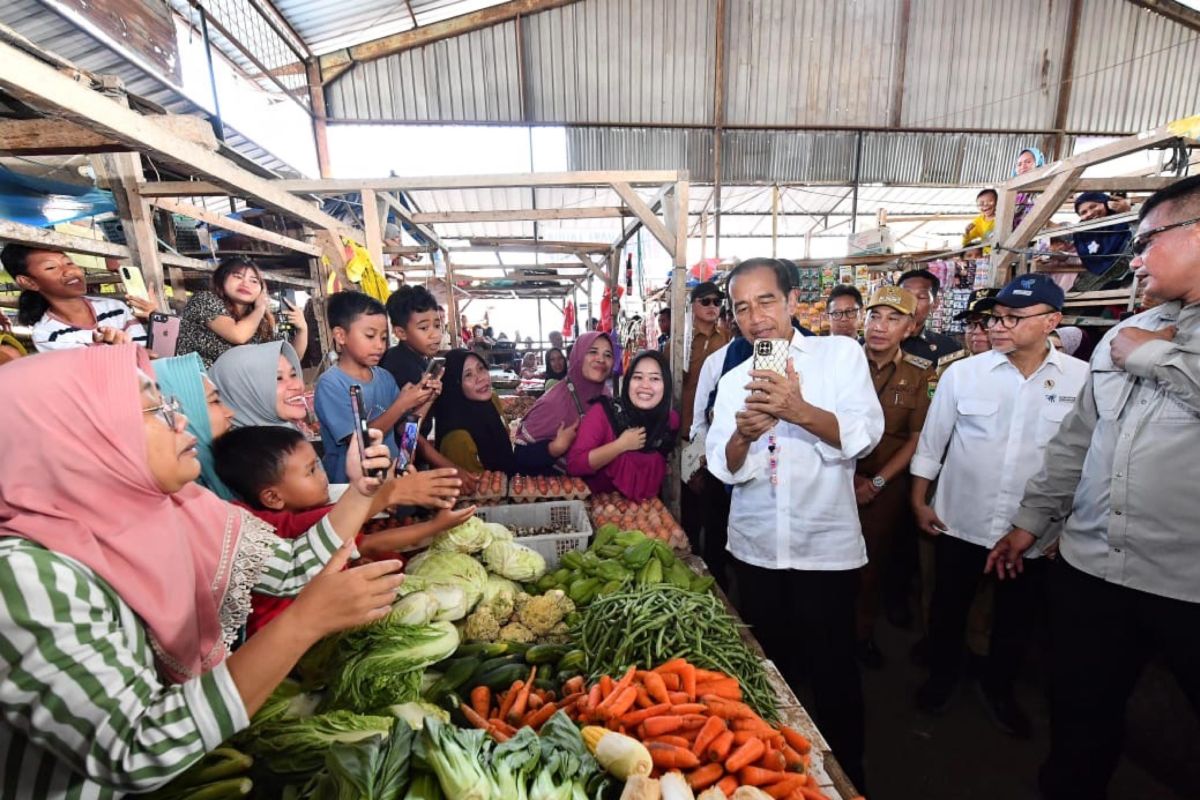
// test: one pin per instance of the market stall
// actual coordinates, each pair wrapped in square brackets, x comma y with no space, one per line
[530,657]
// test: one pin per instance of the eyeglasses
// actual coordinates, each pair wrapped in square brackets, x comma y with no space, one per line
[976,324]
[844,314]
[1141,243]
[708,301]
[1010,321]
[166,411]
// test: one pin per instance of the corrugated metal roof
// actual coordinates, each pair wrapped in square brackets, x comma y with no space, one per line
[810,62]
[641,148]
[468,77]
[59,36]
[795,63]
[1137,79]
[326,26]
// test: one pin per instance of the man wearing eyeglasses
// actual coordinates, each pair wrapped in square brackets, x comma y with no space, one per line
[1122,472]
[987,427]
[939,348]
[974,321]
[844,309]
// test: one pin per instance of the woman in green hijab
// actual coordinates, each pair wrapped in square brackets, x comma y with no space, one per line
[207,417]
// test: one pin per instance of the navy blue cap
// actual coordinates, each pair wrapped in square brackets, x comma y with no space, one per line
[1025,291]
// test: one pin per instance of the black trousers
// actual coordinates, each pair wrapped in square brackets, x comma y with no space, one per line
[958,572]
[705,520]
[805,623]
[1103,635]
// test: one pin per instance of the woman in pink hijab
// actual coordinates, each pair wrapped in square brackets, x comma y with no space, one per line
[549,428]
[123,583]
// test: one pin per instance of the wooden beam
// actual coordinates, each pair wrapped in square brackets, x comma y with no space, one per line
[40,85]
[316,99]
[407,216]
[1066,80]
[536,246]
[520,215]
[900,65]
[678,200]
[592,266]
[372,228]
[333,249]
[44,137]
[653,224]
[500,181]
[237,226]
[1037,216]
[636,223]
[1172,10]
[1187,128]
[122,173]
[185,189]
[1148,183]
[336,63]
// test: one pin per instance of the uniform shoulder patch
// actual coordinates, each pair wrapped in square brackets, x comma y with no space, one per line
[918,362]
[950,358]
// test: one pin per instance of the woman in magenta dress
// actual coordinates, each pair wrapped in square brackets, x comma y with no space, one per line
[622,445]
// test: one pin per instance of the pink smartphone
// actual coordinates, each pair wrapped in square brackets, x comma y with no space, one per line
[163,334]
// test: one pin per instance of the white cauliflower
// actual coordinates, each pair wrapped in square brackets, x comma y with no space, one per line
[545,611]
[516,632]
[482,626]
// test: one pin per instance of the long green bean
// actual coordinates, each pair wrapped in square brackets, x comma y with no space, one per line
[650,625]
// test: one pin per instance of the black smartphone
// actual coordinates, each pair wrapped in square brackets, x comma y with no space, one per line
[437,365]
[361,431]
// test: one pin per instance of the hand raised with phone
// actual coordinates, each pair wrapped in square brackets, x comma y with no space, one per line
[377,458]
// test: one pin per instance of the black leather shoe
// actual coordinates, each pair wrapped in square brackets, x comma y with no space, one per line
[933,697]
[1004,711]
[869,655]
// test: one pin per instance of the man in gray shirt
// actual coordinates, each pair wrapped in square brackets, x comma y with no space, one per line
[1123,471]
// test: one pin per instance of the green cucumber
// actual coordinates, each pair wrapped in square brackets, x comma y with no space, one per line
[501,677]
[545,653]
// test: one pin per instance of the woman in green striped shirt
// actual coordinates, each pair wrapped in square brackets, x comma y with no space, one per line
[123,584]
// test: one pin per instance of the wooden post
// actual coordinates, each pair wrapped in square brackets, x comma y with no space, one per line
[541,336]
[679,199]
[122,172]
[1006,206]
[371,227]
[320,276]
[316,98]
[178,289]
[452,312]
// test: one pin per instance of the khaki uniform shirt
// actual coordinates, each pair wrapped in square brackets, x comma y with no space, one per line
[903,389]
[702,347]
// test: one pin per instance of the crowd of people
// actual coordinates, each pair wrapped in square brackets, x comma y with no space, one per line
[170,544]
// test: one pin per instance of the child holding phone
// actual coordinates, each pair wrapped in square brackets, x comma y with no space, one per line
[276,474]
[359,326]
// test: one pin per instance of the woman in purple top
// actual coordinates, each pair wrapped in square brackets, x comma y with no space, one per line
[622,445]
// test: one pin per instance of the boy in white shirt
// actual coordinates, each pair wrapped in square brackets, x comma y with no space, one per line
[991,417]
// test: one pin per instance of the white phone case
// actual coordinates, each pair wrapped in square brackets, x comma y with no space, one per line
[772,355]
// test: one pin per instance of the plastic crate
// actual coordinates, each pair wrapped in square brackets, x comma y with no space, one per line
[569,515]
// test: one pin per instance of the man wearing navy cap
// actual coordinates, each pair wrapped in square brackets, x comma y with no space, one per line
[985,434]
[974,319]
[942,350]
[1102,252]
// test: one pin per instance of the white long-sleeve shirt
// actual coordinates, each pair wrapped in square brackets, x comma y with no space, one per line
[996,423]
[710,373]
[808,520]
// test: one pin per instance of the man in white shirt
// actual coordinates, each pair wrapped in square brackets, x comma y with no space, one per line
[788,444]
[991,417]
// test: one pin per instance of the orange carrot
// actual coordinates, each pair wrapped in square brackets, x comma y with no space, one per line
[745,755]
[705,776]
[672,681]
[693,722]
[812,793]
[474,717]
[518,707]
[481,700]
[674,741]
[786,786]
[657,726]
[634,717]
[756,776]
[535,719]
[655,687]
[510,697]
[573,685]
[674,665]
[772,759]
[668,756]
[713,727]
[730,709]
[593,699]
[797,741]
[571,700]
[536,701]
[741,737]
[719,749]
[497,733]
[677,698]
[623,702]
[689,681]
[728,689]
[728,785]
[611,695]
[706,675]
[644,700]
[794,760]
[606,686]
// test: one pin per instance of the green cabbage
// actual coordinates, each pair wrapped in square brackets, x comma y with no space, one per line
[297,747]
[375,769]
[469,537]
[451,602]
[380,665]
[418,608]
[514,561]
[455,569]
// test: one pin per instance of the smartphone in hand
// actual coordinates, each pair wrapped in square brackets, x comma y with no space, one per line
[135,282]
[361,431]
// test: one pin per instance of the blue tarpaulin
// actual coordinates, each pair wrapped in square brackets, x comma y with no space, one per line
[43,202]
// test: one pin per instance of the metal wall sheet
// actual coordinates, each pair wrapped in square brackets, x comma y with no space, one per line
[621,61]
[810,62]
[1134,70]
[468,77]
[641,148]
[57,35]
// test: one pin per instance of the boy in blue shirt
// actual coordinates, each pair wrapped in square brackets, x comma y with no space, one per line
[359,326]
